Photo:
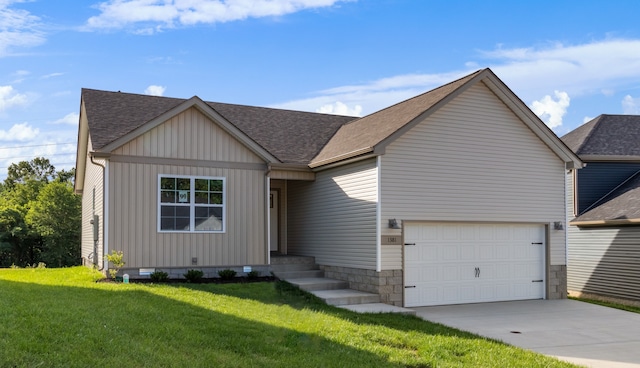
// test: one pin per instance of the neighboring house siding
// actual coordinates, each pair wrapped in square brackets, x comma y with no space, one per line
[192,136]
[192,145]
[605,261]
[334,218]
[599,178]
[474,160]
[93,189]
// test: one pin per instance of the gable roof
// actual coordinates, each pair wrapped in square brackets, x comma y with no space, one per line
[371,134]
[621,206]
[607,137]
[293,137]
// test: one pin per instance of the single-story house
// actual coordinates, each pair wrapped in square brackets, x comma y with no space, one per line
[453,196]
[604,233]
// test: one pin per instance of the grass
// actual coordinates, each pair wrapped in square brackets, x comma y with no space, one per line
[628,308]
[64,318]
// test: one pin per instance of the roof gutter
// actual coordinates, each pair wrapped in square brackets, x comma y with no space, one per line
[615,222]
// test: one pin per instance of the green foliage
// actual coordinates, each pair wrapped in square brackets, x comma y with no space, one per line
[194,276]
[40,220]
[56,217]
[159,276]
[253,275]
[38,169]
[117,260]
[227,274]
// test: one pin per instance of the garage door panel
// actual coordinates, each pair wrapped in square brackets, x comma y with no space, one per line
[470,263]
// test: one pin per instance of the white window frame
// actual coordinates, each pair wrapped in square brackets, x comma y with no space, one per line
[192,204]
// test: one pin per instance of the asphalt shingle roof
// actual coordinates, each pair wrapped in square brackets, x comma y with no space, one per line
[617,136]
[363,134]
[621,204]
[606,135]
[291,136]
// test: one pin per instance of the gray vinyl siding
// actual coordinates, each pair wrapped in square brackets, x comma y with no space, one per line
[474,160]
[605,261]
[334,217]
[599,178]
[191,139]
[93,182]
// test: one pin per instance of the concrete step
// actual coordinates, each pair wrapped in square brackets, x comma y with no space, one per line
[293,267]
[346,297]
[318,283]
[377,308]
[292,275]
[287,259]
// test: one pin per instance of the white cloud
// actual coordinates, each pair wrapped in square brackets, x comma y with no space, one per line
[69,119]
[587,119]
[631,105]
[551,111]
[19,132]
[18,28]
[169,13]
[10,98]
[154,90]
[338,108]
[51,75]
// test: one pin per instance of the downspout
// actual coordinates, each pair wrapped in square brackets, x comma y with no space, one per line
[379,217]
[268,212]
[95,245]
[566,220]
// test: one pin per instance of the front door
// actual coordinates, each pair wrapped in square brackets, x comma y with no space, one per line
[273,214]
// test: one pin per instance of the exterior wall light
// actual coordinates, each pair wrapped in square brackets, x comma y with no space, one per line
[393,224]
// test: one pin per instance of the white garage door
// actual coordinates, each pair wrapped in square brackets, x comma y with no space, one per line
[472,263]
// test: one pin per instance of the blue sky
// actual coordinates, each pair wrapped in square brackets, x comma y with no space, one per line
[568,60]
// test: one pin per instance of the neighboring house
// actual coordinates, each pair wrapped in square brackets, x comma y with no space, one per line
[604,236]
[453,196]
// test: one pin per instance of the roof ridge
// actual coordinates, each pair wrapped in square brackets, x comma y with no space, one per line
[598,120]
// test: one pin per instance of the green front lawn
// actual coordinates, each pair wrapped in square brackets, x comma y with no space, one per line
[63,318]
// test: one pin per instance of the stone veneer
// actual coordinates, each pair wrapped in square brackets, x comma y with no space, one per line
[387,284]
[557,283]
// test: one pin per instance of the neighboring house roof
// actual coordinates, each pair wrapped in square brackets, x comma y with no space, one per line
[291,136]
[607,137]
[614,138]
[621,206]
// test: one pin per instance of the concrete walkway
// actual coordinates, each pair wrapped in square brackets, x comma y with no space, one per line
[570,330]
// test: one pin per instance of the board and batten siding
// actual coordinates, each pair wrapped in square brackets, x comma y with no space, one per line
[334,218]
[189,135]
[197,147]
[605,261]
[474,160]
[92,204]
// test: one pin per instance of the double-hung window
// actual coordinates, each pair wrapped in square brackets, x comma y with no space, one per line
[191,204]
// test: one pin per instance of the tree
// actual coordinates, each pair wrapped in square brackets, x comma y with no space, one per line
[56,216]
[39,169]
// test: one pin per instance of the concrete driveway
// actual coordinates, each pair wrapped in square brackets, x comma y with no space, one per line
[570,330]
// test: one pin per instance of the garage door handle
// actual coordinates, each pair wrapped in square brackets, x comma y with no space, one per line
[536,280]
[409,287]
[409,243]
[538,243]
